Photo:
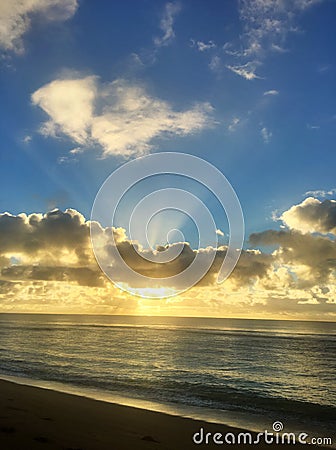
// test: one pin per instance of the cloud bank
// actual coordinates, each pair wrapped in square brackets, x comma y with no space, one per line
[46,261]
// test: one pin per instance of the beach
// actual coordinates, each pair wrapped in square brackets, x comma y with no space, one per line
[34,418]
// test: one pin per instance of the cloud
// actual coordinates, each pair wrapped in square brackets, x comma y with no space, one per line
[121,118]
[203,46]
[321,193]
[27,139]
[167,23]
[271,92]
[76,151]
[268,22]
[215,63]
[266,135]
[312,216]
[310,259]
[49,236]
[323,68]
[70,106]
[266,25]
[47,264]
[56,247]
[220,232]
[233,124]
[16,18]
[304,4]
[83,276]
[246,71]
[66,159]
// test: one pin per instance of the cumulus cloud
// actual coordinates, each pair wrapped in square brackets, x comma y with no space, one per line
[120,117]
[46,261]
[56,247]
[70,105]
[312,216]
[55,236]
[311,258]
[167,24]
[16,17]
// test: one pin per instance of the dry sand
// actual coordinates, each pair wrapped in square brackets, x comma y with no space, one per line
[33,418]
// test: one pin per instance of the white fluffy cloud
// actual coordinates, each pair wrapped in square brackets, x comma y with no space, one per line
[16,16]
[312,216]
[122,118]
[69,104]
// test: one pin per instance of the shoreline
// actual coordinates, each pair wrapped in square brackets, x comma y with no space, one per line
[234,419]
[32,417]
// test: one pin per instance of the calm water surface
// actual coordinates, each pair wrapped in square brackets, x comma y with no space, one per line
[271,370]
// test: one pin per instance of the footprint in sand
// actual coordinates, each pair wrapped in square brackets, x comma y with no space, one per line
[149,439]
[13,408]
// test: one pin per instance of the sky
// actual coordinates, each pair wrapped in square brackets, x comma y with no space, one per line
[246,85]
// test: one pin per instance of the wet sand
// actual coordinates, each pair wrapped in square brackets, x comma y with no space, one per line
[34,418]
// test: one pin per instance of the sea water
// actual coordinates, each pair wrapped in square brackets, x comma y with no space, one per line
[237,371]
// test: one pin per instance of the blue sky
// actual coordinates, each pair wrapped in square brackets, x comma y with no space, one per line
[247,85]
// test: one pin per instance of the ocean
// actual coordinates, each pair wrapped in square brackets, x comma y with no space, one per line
[236,371]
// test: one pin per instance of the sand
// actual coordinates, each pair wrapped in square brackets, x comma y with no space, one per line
[34,418]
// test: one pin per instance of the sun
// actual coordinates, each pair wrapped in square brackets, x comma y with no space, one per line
[152,292]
